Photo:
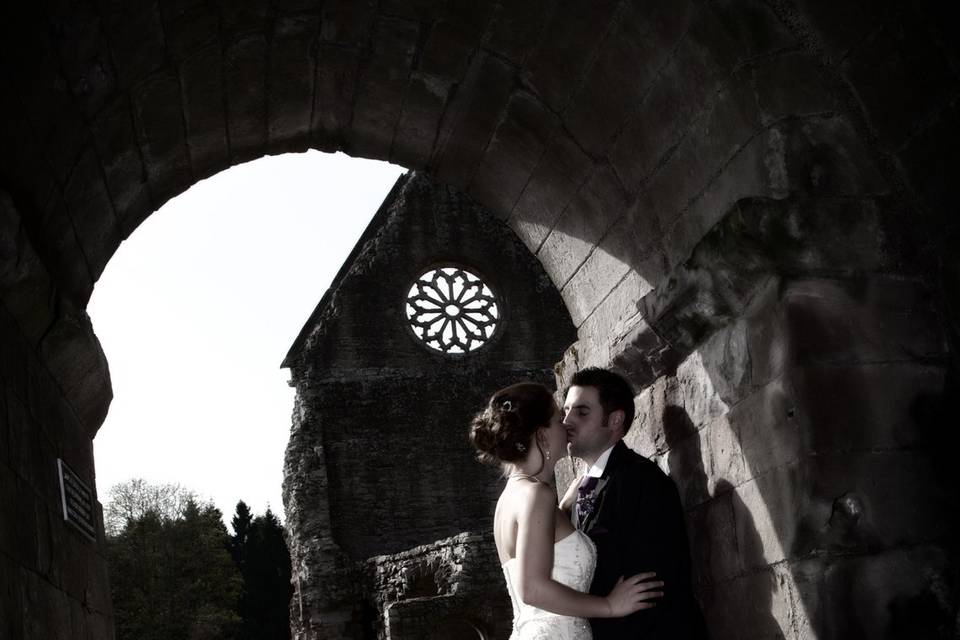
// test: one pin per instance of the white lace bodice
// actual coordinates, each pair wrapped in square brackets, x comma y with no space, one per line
[574,559]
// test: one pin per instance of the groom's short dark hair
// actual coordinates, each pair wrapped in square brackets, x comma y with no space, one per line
[613,390]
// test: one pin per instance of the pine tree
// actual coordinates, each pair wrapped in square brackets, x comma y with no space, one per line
[241,528]
[266,575]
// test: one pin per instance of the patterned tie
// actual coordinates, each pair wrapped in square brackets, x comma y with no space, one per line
[586,501]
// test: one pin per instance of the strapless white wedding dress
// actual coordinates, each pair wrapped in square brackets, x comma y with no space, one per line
[574,559]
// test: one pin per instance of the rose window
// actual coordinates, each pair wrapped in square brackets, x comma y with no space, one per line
[452,310]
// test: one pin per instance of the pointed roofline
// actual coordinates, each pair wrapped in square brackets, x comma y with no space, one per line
[375,223]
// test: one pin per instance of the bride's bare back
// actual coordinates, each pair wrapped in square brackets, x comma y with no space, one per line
[515,504]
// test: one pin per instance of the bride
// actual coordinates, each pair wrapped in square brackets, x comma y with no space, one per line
[547,564]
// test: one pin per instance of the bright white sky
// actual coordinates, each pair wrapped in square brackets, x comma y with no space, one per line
[197,309]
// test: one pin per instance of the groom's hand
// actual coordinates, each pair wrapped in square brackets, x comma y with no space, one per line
[634,594]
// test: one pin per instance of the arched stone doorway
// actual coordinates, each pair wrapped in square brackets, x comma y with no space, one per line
[615,138]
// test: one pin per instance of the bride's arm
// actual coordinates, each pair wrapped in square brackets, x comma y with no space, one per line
[535,531]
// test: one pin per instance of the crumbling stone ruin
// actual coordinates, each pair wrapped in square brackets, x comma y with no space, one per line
[378,461]
[745,205]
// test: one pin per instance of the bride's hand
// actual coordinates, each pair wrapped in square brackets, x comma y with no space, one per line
[633,593]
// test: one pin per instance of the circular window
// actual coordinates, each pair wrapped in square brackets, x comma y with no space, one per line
[452,310]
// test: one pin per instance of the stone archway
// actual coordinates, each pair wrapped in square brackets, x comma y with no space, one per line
[612,136]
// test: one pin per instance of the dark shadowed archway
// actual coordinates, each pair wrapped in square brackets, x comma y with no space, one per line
[614,137]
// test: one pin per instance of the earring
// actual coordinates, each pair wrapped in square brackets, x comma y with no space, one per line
[547,454]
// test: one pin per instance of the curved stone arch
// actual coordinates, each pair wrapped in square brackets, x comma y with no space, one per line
[572,120]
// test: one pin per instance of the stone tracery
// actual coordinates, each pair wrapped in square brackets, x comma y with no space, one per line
[451,310]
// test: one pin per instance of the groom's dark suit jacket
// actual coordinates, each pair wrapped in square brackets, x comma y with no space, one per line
[638,526]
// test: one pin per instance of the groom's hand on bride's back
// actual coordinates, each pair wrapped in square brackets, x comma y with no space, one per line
[634,594]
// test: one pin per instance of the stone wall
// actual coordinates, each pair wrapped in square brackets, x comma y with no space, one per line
[440,591]
[807,425]
[53,580]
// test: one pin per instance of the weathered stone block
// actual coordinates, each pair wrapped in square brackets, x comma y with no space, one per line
[189,28]
[23,279]
[765,514]
[291,76]
[245,72]
[880,499]
[724,450]
[806,94]
[471,118]
[11,606]
[628,60]
[381,85]
[29,169]
[755,27]
[450,45]
[251,17]
[346,22]
[55,119]
[646,436]
[713,541]
[91,211]
[114,136]
[8,502]
[838,26]
[715,140]
[714,377]
[515,28]
[770,427]
[878,595]
[866,407]
[625,249]
[755,605]
[873,319]
[743,176]
[599,204]
[411,9]
[26,455]
[557,62]
[514,151]
[158,114]
[75,359]
[688,459]
[659,124]
[827,157]
[417,128]
[201,79]
[883,69]
[135,32]
[85,59]
[334,86]
[551,187]
[46,612]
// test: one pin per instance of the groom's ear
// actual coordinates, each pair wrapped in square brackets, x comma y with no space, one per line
[616,418]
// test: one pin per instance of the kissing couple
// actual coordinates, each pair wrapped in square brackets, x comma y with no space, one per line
[611,560]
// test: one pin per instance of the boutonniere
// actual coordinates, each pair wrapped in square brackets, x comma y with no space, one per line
[588,504]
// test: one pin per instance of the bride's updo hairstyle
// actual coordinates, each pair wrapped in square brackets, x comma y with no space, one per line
[503,432]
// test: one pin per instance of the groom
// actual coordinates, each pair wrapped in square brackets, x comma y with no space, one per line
[630,509]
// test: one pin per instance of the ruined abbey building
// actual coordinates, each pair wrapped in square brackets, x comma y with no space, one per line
[389,516]
[745,205]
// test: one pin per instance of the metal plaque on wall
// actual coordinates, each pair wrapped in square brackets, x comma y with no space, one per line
[77,500]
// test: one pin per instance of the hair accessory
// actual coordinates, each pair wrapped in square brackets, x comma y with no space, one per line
[506,407]
[522,448]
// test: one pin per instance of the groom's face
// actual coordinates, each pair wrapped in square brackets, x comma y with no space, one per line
[588,430]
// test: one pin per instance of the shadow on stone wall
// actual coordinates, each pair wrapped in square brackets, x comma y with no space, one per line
[723,544]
